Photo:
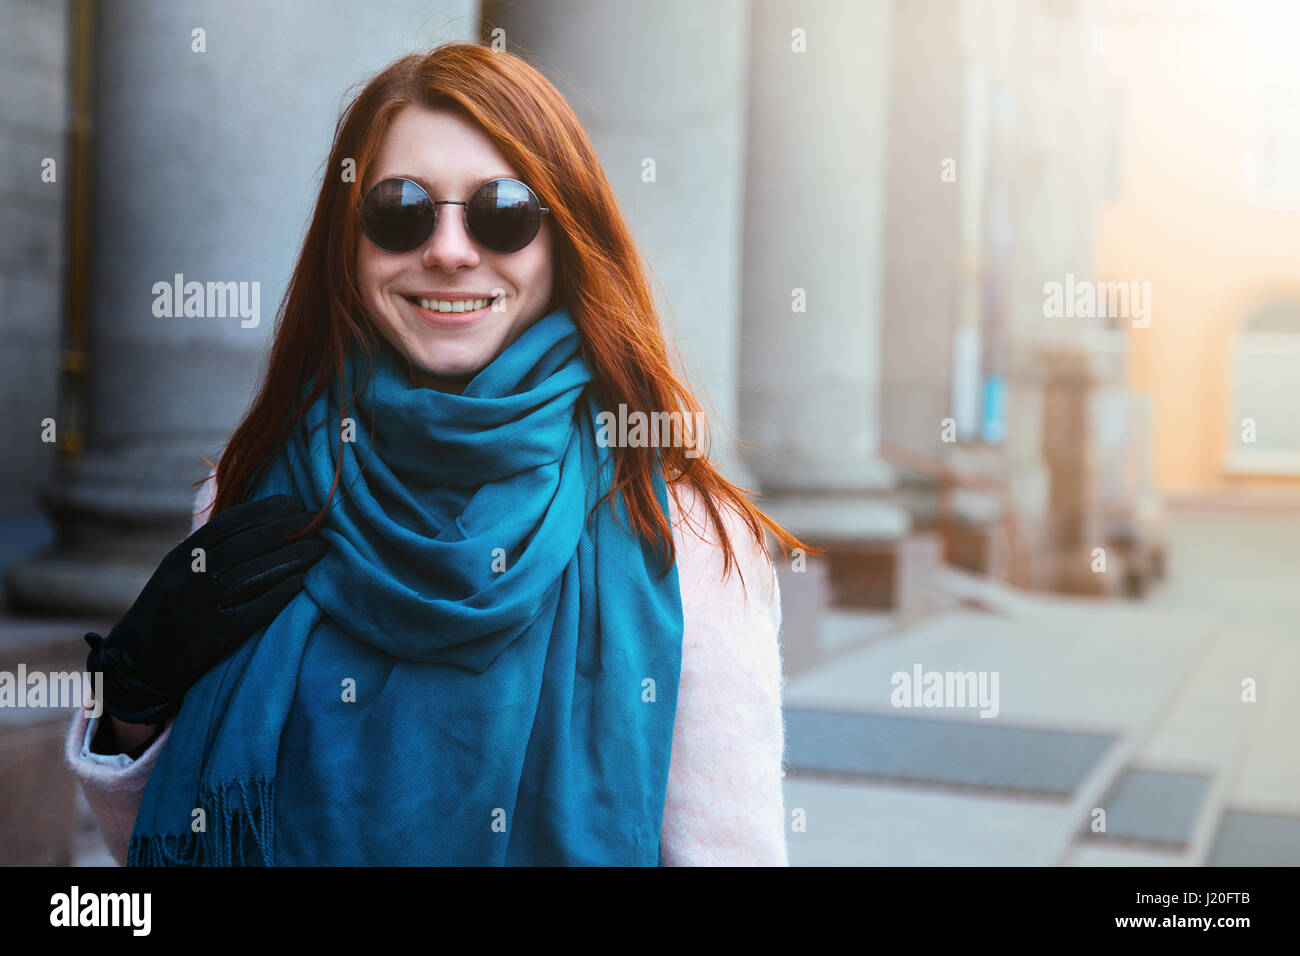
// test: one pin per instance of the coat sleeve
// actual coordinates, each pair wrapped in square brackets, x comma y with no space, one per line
[114,783]
[725,804]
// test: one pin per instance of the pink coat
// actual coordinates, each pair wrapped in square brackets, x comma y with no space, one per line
[724,803]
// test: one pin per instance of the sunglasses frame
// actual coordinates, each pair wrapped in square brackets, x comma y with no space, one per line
[433,220]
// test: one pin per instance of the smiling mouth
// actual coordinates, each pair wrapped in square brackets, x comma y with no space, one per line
[452,306]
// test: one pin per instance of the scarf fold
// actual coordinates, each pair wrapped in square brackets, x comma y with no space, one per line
[473,674]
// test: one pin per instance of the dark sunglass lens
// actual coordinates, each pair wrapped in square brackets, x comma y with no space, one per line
[504,215]
[397,215]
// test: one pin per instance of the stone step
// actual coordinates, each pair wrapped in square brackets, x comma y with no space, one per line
[38,818]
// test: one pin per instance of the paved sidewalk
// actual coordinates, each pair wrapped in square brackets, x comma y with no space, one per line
[1186,772]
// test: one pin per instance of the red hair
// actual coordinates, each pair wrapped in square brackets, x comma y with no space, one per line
[599,275]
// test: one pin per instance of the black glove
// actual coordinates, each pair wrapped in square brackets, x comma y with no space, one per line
[185,622]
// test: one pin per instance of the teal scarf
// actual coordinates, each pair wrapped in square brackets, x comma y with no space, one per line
[473,674]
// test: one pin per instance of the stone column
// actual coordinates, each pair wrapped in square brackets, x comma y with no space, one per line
[925,287]
[660,89]
[211,125]
[811,358]
[926,175]
[1053,58]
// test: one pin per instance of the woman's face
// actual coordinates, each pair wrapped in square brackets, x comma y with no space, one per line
[450,157]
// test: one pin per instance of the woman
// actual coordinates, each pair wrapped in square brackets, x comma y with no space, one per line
[498,640]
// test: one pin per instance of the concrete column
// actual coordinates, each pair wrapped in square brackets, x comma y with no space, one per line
[1053,58]
[660,89]
[922,284]
[34,108]
[926,173]
[208,151]
[815,202]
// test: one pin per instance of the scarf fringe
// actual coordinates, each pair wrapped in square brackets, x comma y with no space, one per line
[240,830]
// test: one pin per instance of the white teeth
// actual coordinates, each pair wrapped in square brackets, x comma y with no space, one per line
[458,305]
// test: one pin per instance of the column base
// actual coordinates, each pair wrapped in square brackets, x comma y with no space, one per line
[867,540]
[115,517]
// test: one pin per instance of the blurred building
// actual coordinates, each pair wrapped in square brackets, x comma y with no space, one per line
[1207,93]
[1015,434]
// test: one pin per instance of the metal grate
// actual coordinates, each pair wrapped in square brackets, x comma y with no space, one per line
[1154,805]
[1256,839]
[1040,762]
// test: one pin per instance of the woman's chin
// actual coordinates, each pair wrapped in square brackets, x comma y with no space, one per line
[443,378]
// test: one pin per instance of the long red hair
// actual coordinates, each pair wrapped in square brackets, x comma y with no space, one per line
[599,275]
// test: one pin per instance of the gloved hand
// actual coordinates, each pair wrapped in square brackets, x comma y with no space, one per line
[185,622]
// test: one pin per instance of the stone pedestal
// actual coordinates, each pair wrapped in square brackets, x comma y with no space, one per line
[1072,451]
[870,561]
[805,598]
[37,793]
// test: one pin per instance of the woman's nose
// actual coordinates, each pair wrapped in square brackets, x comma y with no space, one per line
[450,245]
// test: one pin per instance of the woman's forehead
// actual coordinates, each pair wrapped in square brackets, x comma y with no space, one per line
[440,150]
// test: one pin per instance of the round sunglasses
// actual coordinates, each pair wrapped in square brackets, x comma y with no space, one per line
[503,215]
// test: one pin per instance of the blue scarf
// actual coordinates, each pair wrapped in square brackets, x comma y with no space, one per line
[472,674]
